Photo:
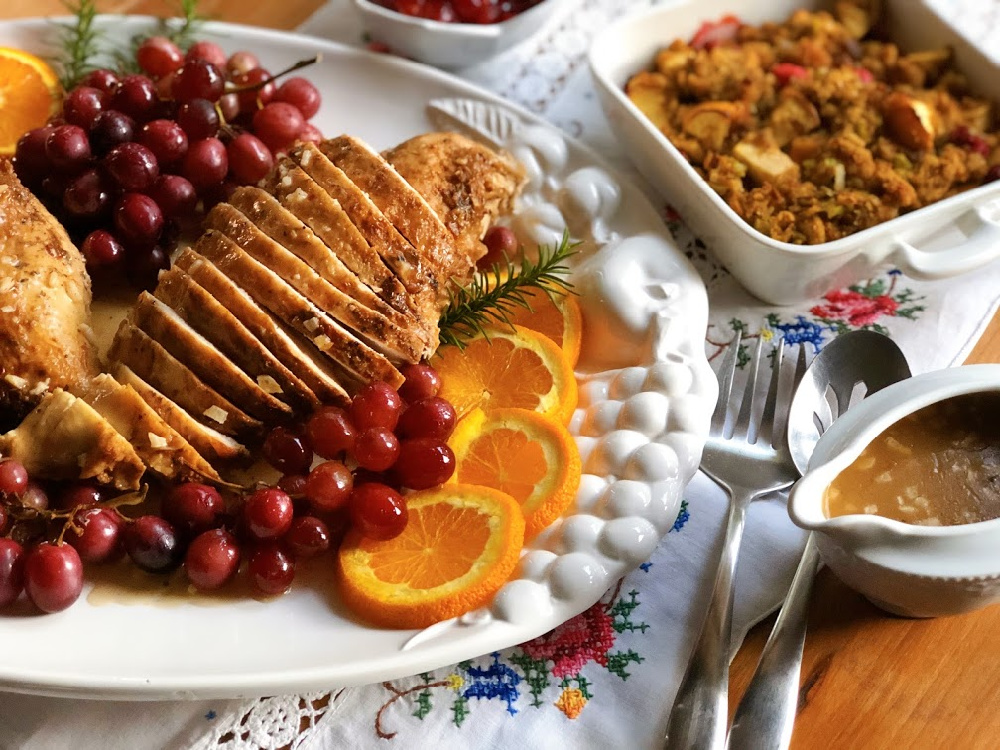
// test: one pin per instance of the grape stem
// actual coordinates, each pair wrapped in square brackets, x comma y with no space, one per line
[291,69]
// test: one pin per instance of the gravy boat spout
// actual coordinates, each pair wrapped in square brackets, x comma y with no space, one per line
[904,568]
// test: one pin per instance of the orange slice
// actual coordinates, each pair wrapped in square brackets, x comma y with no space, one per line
[558,317]
[29,95]
[506,368]
[531,457]
[459,547]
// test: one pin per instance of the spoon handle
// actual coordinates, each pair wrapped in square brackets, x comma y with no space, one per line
[766,715]
[700,711]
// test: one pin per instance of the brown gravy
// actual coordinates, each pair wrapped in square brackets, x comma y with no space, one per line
[939,466]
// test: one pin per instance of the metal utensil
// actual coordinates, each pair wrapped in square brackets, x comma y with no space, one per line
[766,715]
[748,460]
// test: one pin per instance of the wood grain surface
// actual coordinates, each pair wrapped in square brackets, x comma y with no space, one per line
[869,680]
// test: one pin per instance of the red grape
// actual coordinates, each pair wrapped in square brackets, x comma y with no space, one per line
[293,484]
[13,477]
[328,486]
[198,118]
[209,52]
[11,571]
[151,543]
[301,94]
[159,56]
[132,165]
[278,124]
[252,95]
[135,96]
[198,79]
[30,159]
[98,538]
[287,452]
[78,495]
[241,62]
[206,163]
[68,148]
[166,139]
[330,432]
[308,536]
[110,129]
[101,79]
[212,559]
[310,134]
[421,381]
[431,418]
[477,11]
[143,265]
[229,106]
[86,196]
[192,508]
[376,449]
[34,496]
[138,219]
[268,513]
[378,511]
[175,195]
[53,576]
[271,569]
[100,249]
[439,10]
[82,105]
[376,405]
[501,244]
[249,159]
[424,463]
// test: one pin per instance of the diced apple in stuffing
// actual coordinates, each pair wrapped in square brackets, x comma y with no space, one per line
[710,122]
[909,121]
[857,16]
[673,59]
[648,91]
[794,115]
[765,163]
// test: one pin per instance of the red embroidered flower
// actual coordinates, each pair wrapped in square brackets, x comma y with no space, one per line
[585,638]
[855,308]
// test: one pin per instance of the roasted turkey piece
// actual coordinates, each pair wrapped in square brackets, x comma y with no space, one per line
[44,301]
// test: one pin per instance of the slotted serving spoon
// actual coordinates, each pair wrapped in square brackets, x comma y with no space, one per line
[855,363]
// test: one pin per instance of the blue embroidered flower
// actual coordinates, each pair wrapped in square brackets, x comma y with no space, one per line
[801,331]
[495,681]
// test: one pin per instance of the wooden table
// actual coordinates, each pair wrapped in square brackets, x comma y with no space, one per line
[869,680]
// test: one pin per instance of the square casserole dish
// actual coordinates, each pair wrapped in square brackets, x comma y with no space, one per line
[947,238]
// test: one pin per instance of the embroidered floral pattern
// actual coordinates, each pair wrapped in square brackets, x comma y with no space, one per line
[525,675]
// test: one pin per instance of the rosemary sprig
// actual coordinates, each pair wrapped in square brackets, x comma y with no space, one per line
[79,42]
[491,298]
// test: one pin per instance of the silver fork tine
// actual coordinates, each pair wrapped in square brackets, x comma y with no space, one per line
[727,372]
[742,426]
[800,368]
[766,430]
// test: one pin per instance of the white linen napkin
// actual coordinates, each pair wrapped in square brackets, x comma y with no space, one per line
[606,678]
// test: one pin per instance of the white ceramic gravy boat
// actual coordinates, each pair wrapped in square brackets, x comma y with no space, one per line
[915,571]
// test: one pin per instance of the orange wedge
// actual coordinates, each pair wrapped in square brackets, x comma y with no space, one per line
[460,546]
[558,317]
[506,368]
[531,457]
[29,95]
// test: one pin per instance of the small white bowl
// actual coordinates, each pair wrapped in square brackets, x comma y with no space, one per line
[453,45]
[910,570]
[944,239]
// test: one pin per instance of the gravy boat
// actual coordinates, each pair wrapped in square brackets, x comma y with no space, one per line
[905,569]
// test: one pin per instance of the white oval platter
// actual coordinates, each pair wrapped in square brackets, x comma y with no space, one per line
[646,393]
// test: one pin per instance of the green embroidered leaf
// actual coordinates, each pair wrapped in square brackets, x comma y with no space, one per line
[621,614]
[618,661]
[583,684]
[459,710]
[535,673]
[424,705]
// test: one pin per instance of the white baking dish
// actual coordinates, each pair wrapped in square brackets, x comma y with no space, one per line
[947,238]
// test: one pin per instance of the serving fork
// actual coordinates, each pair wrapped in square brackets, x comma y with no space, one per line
[747,456]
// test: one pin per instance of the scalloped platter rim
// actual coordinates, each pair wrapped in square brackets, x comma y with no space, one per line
[646,393]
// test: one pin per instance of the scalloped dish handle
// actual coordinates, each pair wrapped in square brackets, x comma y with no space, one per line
[981,246]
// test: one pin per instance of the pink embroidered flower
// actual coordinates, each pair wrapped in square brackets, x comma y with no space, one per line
[854,308]
[585,638]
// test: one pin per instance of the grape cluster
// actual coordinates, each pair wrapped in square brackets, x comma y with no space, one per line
[383,442]
[460,11]
[132,159]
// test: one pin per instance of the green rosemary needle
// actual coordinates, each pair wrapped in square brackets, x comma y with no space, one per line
[493,295]
[79,43]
